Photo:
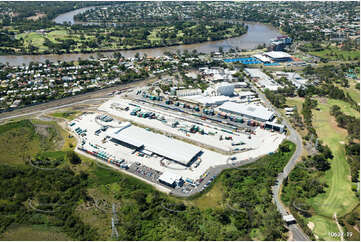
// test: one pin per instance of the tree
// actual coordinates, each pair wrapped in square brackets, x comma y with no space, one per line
[284,148]
[73,157]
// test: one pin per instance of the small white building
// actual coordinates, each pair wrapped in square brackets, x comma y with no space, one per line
[246,95]
[170,179]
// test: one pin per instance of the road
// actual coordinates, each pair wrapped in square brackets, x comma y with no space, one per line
[297,232]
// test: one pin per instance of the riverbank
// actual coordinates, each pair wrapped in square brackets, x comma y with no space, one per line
[256,35]
[40,40]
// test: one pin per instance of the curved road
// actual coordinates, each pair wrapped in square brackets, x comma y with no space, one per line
[297,232]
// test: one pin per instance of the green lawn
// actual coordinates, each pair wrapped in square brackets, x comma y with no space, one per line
[336,54]
[34,38]
[33,232]
[211,199]
[345,107]
[338,197]
[59,34]
[296,101]
[323,226]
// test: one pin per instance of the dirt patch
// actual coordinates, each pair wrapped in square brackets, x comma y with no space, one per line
[311,225]
[51,135]
[323,100]
[46,118]
[342,142]
[37,16]
[334,126]
[356,228]
[42,129]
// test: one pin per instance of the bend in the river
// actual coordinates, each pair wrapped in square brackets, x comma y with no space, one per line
[258,33]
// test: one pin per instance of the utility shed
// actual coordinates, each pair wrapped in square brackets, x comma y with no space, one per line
[250,111]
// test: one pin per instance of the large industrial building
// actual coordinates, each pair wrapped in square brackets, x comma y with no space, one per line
[151,143]
[206,101]
[278,56]
[251,111]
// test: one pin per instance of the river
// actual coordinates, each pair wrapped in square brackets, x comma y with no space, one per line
[258,33]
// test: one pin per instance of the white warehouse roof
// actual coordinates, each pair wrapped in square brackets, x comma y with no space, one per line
[277,54]
[171,148]
[262,58]
[250,110]
[169,177]
[208,100]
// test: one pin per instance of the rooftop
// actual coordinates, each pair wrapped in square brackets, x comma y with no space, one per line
[168,147]
[277,54]
[248,109]
[169,177]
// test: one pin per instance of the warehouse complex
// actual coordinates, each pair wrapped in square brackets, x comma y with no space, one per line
[175,139]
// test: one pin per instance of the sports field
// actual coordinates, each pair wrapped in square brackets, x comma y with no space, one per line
[338,198]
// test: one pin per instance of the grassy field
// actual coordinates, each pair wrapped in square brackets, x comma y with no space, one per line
[296,101]
[338,197]
[345,107]
[18,140]
[211,199]
[33,232]
[36,39]
[323,226]
[70,115]
[352,91]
